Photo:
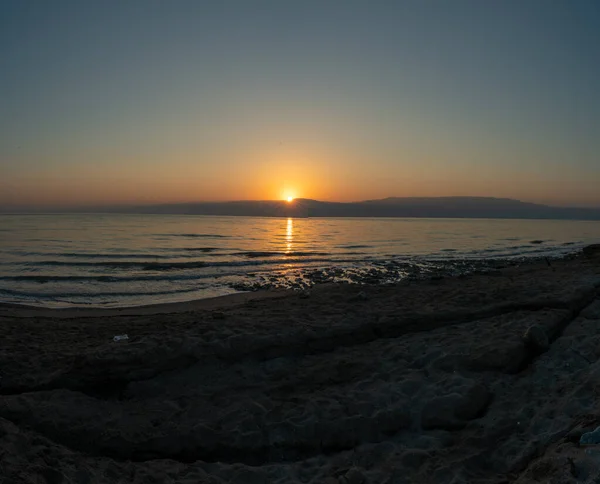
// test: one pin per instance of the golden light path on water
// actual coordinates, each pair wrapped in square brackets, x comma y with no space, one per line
[289,235]
[287,268]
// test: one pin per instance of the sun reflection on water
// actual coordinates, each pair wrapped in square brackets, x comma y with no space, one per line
[289,235]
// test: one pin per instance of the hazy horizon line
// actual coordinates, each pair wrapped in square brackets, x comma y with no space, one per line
[132,204]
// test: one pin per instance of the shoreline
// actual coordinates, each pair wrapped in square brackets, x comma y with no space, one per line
[25,311]
[487,378]
[252,292]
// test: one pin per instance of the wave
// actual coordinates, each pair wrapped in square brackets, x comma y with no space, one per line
[167,266]
[98,255]
[92,295]
[168,277]
[43,279]
[257,254]
[113,255]
[509,252]
[208,236]
[147,262]
[123,264]
[45,240]
[514,247]
[524,251]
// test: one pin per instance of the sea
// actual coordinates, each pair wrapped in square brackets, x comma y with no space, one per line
[121,260]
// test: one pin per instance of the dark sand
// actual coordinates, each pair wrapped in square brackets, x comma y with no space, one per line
[426,383]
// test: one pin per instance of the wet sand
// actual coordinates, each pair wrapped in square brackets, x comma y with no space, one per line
[487,378]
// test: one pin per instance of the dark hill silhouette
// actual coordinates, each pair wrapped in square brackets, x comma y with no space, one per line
[438,207]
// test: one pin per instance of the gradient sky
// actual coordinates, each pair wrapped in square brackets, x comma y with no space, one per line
[158,101]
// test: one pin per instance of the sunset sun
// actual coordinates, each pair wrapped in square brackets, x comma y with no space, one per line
[288,195]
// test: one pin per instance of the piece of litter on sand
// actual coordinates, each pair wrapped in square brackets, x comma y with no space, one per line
[120,337]
[590,438]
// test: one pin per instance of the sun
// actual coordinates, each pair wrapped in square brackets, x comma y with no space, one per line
[288,195]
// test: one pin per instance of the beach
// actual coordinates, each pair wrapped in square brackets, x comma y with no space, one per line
[490,377]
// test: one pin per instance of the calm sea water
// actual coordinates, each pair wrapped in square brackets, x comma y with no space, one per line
[126,260]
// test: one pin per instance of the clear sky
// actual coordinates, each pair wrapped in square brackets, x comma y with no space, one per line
[184,100]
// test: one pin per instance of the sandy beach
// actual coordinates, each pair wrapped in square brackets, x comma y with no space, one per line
[486,378]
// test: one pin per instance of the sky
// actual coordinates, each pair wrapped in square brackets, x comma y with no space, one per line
[155,101]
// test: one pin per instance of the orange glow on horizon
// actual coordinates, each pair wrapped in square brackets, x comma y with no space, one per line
[282,173]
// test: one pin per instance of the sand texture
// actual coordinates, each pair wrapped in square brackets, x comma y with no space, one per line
[489,378]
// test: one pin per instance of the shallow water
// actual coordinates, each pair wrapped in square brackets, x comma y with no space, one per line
[127,260]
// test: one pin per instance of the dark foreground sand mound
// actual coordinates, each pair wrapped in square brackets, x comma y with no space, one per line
[483,379]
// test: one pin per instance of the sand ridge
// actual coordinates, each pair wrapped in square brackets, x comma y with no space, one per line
[429,382]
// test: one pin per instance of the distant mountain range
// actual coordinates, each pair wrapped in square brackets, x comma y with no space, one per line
[439,207]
